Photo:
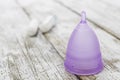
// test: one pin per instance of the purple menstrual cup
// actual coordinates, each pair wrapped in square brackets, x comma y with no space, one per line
[83,55]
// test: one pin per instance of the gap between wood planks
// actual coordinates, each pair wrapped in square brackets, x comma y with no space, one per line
[23,67]
[112,41]
[74,11]
[29,16]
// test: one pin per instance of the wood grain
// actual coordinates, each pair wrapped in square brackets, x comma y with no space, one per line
[59,38]
[41,57]
[106,16]
[28,58]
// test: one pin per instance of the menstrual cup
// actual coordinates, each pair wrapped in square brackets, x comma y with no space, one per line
[83,55]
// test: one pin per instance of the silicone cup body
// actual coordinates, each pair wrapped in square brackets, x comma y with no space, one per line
[83,55]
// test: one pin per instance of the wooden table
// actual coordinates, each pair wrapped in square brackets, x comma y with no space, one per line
[41,57]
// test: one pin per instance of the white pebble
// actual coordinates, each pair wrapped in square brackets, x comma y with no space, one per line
[33,28]
[48,24]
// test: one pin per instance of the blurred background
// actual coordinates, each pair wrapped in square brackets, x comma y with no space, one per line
[34,36]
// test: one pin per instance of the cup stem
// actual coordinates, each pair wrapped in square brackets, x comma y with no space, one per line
[83,17]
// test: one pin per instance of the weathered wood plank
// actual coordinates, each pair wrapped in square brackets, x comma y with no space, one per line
[44,61]
[98,12]
[12,60]
[52,70]
[4,70]
[19,67]
[61,33]
[10,16]
[110,53]
[59,38]
[115,3]
[30,58]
